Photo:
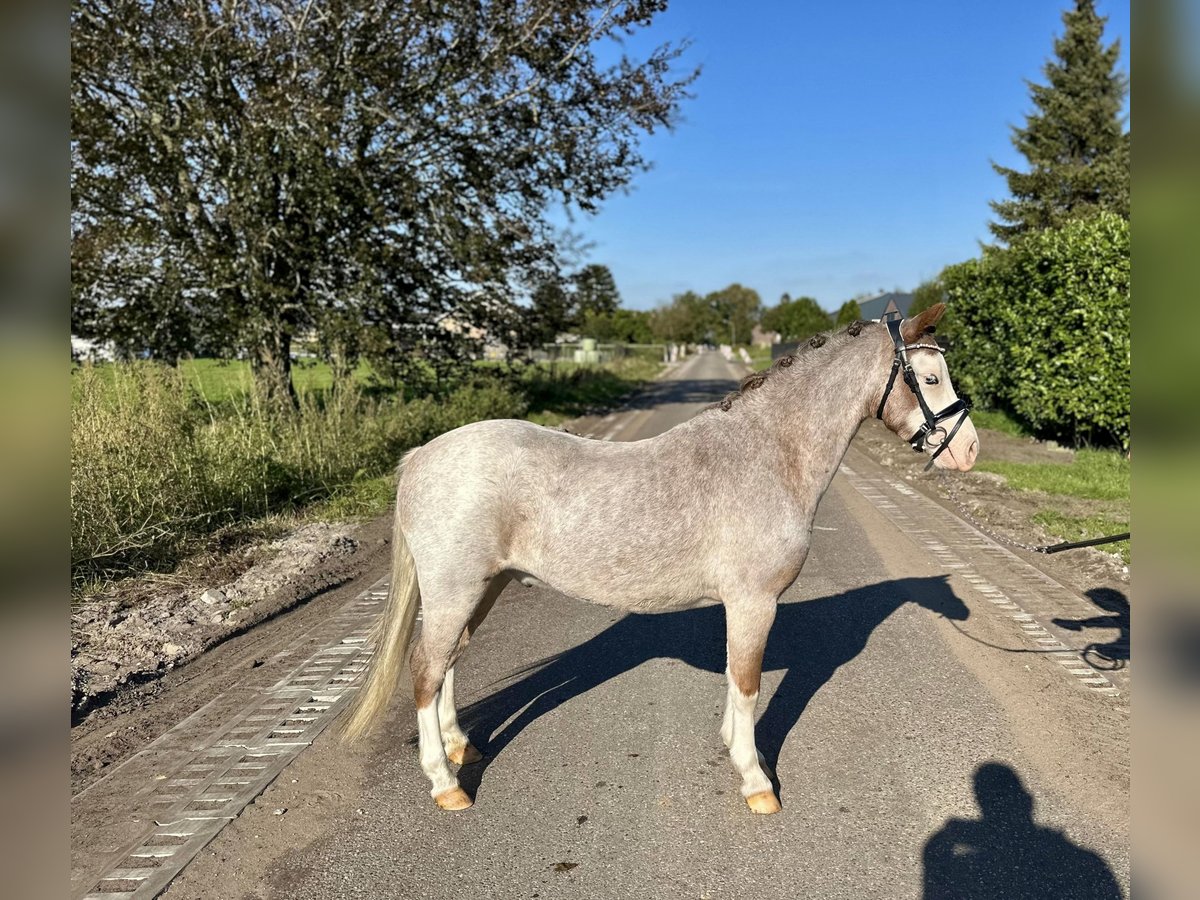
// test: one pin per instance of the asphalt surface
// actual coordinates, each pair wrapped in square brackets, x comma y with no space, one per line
[921,749]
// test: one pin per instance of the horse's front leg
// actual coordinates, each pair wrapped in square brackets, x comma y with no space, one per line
[747,623]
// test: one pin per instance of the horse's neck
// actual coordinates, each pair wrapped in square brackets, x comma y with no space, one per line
[813,414]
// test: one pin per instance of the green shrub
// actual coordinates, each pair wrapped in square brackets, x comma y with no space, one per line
[1041,330]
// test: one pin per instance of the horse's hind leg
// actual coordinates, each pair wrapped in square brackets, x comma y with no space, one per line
[747,625]
[458,748]
[449,605]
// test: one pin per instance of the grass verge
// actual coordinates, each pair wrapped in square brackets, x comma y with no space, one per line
[563,391]
[1089,495]
[998,420]
[1080,528]
[1092,474]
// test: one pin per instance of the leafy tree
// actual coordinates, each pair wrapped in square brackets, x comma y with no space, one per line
[595,290]
[849,312]
[1075,142]
[737,311]
[376,170]
[796,320]
[688,318]
[626,326]
[552,311]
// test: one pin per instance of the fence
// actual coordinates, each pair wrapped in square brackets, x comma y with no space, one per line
[592,352]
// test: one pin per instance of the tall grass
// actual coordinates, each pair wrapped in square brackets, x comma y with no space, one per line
[162,457]
[154,466]
[566,390]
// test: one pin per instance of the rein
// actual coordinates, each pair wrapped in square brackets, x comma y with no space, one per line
[900,363]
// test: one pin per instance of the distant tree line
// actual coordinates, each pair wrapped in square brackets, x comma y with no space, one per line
[588,304]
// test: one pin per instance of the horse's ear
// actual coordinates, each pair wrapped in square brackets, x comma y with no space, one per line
[922,322]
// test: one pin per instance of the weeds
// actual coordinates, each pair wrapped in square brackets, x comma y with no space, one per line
[154,465]
[567,390]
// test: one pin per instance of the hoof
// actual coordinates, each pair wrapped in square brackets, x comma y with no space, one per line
[764,803]
[455,798]
[464,756]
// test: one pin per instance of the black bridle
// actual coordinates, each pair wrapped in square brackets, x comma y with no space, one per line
[901,364]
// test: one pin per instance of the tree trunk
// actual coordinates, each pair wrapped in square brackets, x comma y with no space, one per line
[273,372]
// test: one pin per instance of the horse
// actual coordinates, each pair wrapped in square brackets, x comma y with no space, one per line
[718,508]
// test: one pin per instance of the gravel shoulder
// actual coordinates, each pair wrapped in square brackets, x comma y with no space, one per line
[140,667]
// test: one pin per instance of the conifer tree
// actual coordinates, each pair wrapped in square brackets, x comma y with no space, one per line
[1075,142]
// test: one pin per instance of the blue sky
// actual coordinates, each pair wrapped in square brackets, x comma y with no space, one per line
[831,148]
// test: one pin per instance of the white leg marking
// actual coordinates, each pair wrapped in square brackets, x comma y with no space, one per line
[433,754]
[453,737]
[742,750]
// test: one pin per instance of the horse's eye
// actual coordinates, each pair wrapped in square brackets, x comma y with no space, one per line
[931,379]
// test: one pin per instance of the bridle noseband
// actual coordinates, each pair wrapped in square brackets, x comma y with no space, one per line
[901,364]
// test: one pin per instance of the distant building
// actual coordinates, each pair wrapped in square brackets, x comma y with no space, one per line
[892,305]
[760,338]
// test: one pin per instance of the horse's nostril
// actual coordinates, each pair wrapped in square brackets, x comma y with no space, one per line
[973,451]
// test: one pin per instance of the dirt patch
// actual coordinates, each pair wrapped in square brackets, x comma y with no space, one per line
[1005,514]
[146,627]
[139,711]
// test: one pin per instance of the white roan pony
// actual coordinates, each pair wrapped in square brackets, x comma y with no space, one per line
[720,507]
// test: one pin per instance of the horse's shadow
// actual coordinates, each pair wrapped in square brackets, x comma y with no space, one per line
[810,641]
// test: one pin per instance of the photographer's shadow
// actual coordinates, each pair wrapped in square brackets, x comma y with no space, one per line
[1006,855]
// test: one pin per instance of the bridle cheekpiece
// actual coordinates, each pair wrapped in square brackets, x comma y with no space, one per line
[900,363]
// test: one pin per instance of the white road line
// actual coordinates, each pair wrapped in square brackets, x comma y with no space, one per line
[971,539]
[238,759]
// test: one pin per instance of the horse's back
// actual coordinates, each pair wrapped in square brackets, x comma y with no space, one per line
[555,505]
[487,475]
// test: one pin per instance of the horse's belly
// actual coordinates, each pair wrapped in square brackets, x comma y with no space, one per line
[631,594]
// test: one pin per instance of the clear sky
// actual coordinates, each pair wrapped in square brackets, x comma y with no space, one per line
[831,148]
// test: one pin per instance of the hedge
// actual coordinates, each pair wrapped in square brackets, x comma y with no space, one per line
[1041,330]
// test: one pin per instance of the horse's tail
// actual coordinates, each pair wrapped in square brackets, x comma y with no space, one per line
[392,635]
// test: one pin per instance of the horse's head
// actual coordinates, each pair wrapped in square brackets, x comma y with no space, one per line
[919,403]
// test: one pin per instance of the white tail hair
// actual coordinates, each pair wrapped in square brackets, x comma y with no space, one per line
[391,637]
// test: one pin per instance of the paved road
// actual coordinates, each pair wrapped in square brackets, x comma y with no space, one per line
[934,735]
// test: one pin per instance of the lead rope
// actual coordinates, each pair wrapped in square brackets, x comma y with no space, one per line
[1045,549]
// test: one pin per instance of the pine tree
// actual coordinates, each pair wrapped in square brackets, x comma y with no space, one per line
[1075,141]
[595,290]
